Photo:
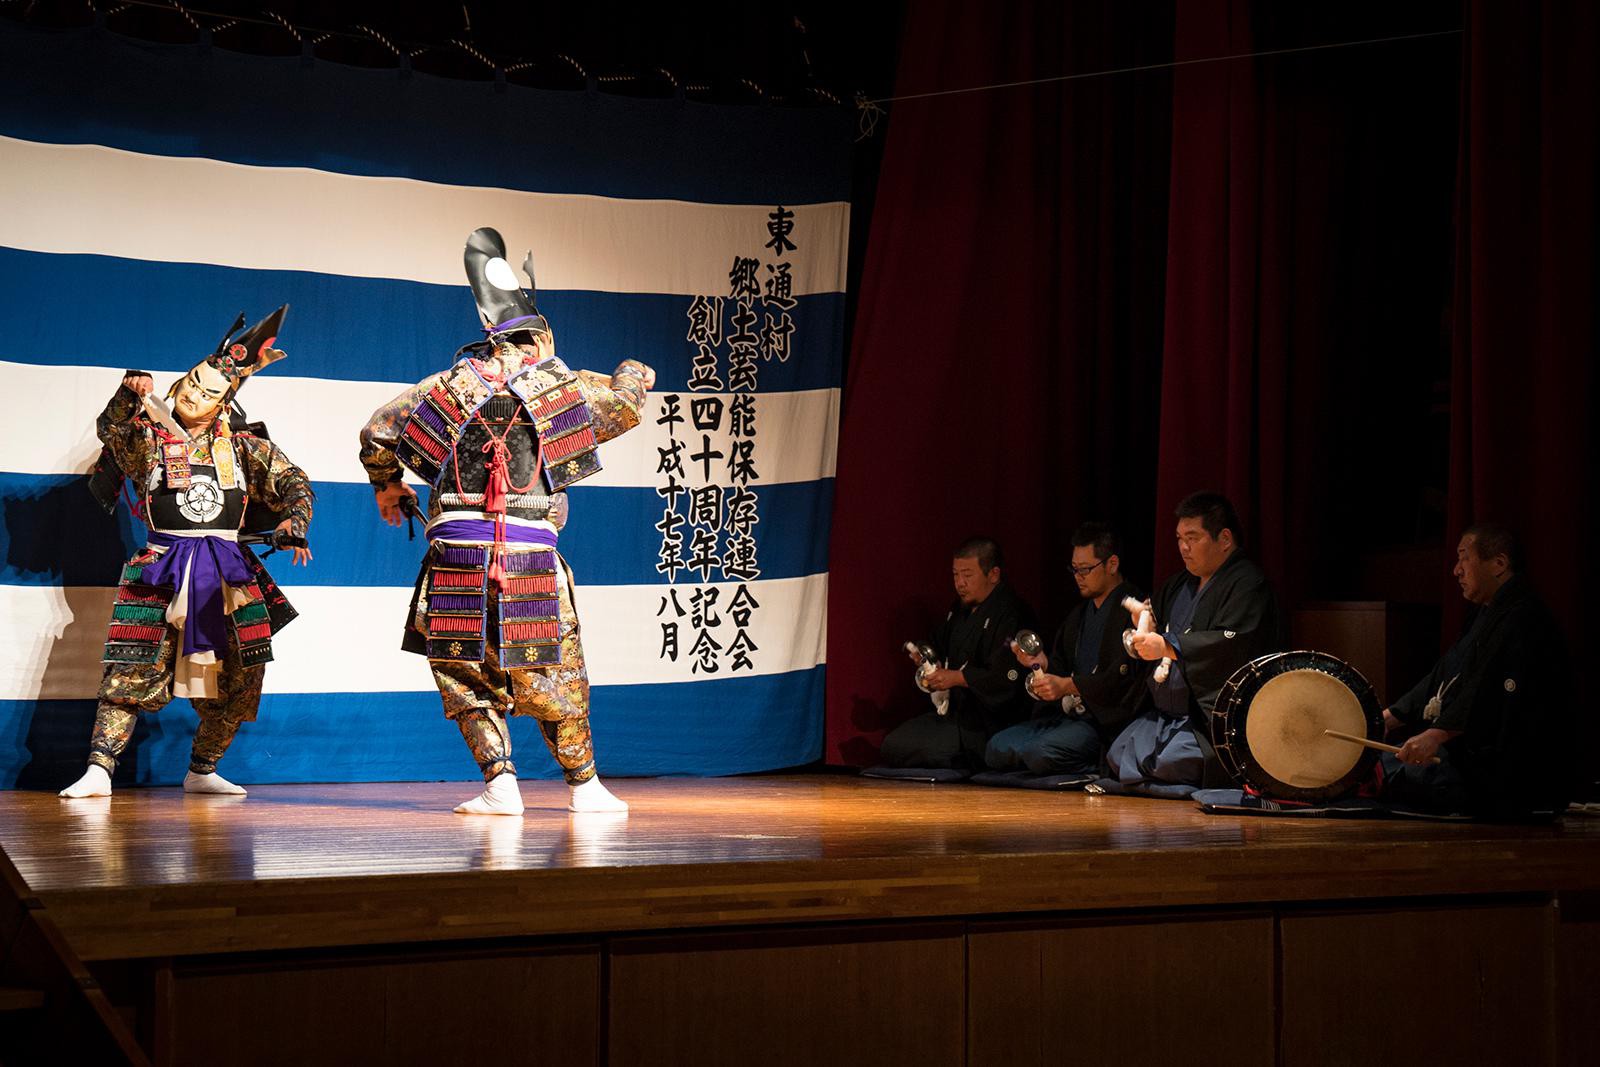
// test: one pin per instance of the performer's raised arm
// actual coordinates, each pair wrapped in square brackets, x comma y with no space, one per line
[618,400]
[127,442]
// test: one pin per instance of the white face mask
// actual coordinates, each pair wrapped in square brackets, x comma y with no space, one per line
[199,394]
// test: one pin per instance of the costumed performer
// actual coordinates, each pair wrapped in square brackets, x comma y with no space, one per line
[498,437]
[195,612]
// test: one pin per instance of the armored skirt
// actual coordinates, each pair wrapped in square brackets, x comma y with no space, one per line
[159,612]
[504,647]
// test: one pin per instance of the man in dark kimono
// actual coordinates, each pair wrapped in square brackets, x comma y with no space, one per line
[1085,687]
[1495,709]
[977,679]
[1212,617]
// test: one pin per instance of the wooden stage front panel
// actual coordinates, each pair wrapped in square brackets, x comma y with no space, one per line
[1123,991]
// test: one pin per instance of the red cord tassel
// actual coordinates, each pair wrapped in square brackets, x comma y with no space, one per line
[494,503]
[495,489]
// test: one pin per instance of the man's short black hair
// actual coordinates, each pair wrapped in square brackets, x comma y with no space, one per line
[1101,536]
[1490,539]
[983,549]
[1215,513]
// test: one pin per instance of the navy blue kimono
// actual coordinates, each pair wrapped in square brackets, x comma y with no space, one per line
[1087,648]
[1166,750]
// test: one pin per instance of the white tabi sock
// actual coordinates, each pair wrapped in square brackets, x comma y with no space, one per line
[212,783]
[94,783]
[592,796]
[500,797]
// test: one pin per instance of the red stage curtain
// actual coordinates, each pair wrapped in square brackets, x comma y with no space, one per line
[1009,322]
[1307,275]
[1523,380]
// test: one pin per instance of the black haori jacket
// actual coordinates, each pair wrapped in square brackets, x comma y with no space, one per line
[1113,686]
[1235,621]
[977,643]
[1507,689]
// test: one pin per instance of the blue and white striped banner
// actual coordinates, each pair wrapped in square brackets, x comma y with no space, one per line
[141,208]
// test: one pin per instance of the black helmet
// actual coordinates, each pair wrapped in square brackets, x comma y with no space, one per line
[504,306]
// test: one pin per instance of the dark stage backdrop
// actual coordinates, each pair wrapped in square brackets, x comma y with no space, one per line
[148,193]
[1523,383]
[1003,374]
[1086,299]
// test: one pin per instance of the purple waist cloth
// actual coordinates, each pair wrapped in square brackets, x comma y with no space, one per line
[210,562]
[483,530]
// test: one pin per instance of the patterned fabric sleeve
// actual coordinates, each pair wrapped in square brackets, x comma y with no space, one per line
[129,442]
[615,402]
[382,433]
[276,481]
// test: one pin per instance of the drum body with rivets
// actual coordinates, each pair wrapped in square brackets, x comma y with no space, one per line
[1268,723]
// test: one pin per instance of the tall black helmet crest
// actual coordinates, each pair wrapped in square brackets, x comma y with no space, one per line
[504,306]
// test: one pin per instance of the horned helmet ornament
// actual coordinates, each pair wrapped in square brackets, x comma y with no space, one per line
[213,382]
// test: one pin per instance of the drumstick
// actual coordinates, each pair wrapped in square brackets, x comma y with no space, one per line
[1365,743]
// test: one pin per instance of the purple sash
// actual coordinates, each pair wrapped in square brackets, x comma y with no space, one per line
[484,530]
[215,560]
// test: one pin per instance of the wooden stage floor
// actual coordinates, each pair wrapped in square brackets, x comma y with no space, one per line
[153,872]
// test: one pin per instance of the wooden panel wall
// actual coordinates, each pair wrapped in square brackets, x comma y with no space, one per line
[880,995]
[1577,975]
[534,1006]
[1410,987]
[1122,992]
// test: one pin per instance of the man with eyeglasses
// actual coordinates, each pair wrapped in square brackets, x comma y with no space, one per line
[1086,687]
[978,671]
[1212,617]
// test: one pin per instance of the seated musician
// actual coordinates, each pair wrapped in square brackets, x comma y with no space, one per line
[1495,708]
[976,669]
[1212,617]
[1087,687]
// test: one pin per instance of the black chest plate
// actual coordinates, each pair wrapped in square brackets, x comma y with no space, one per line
[461,482]
[202,505]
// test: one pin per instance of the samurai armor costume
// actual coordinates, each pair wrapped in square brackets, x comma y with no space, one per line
[498,437]
[194,613]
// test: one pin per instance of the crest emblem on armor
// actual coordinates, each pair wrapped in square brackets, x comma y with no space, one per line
[201,501]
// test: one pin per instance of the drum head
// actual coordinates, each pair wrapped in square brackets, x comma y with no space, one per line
[1272,724]
[1285,724]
